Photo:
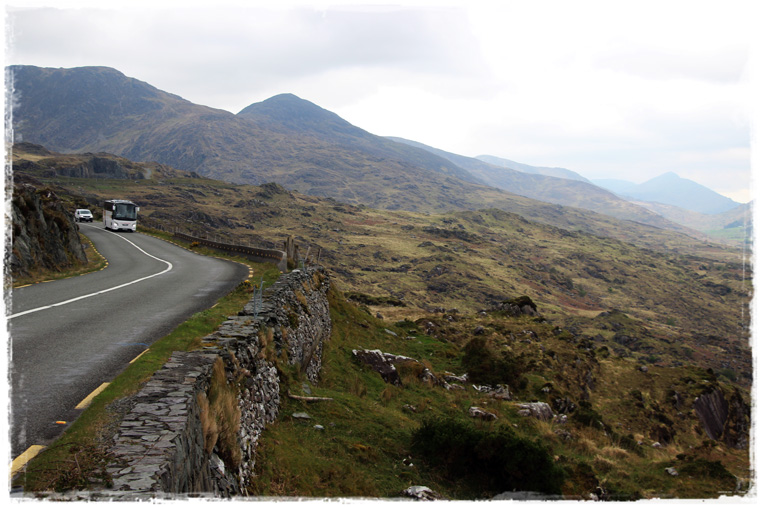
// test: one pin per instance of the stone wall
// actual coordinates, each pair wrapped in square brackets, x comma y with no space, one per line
[159,447]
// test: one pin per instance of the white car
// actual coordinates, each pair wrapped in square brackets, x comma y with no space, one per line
[82,215]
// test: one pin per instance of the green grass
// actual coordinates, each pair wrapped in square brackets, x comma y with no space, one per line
[368,431]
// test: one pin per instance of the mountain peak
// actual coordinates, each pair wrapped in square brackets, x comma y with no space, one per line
[290,112]
[669,188]
[668,176]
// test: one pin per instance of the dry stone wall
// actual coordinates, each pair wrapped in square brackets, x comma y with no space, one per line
[159,448]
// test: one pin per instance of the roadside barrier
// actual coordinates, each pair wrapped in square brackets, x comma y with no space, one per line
[277,257]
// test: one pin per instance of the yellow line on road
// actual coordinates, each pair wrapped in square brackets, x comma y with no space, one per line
[85,402]
[25,458]
[138,356]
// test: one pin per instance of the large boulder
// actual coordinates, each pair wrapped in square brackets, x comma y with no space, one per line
[540,410]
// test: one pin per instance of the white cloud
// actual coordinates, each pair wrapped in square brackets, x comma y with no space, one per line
[598,87]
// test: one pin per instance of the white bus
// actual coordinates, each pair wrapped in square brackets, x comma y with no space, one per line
[120,215]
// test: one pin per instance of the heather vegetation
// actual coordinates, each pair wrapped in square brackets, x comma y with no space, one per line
[616,335]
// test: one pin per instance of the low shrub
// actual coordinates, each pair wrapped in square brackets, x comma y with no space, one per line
[701,467]
[487,462]
[484,366]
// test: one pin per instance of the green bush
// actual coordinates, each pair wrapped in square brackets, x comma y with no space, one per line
[701,467]
[487,462]
[587,416]
[484,366]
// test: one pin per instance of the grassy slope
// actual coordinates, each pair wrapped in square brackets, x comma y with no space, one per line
[365,446]
[683,311]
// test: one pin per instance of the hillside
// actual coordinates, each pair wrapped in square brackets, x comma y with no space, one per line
[557,172]
[671,189]
[285,140]
[734,225]
[542,186]
[461,259]
[618,341]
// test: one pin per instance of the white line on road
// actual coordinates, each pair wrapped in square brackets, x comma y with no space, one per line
[169,268]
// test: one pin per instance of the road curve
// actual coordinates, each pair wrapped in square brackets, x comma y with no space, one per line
[62,352]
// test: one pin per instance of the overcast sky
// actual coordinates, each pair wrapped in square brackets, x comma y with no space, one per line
[610,89]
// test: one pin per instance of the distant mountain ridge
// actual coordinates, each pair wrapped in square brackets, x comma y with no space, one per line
[557,172]
[577,192]
[284,139]
[671,189]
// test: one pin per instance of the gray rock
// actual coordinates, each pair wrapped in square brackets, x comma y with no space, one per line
[421,493]
[482,414]
[539,410]
[712,410]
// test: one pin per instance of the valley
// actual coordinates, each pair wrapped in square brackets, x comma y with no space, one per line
[504,288]
[626,332]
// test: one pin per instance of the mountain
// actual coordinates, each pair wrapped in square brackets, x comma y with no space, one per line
[669,188]
[614,185]
[306,123]
[285,140]
[557,172]
[577,192]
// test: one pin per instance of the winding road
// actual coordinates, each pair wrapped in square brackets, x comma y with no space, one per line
[69,336]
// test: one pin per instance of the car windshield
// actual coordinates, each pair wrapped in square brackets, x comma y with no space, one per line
[84,212]
[124,212]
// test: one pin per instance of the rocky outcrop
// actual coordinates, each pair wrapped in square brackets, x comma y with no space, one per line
[518,307]
[163,447]
[421,493]
[479,413]
[383,363]
[725,420]
[712,410]
[540,410]
[45,236]
[737,426]
[98,167]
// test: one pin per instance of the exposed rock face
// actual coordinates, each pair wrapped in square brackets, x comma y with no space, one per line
[712,410]
[45,235]
[726,420]
[97,167]
[737,425]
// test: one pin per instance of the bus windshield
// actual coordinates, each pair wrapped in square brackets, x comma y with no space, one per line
[124,212]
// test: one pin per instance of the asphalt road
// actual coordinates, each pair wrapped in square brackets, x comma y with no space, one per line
[70,336]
